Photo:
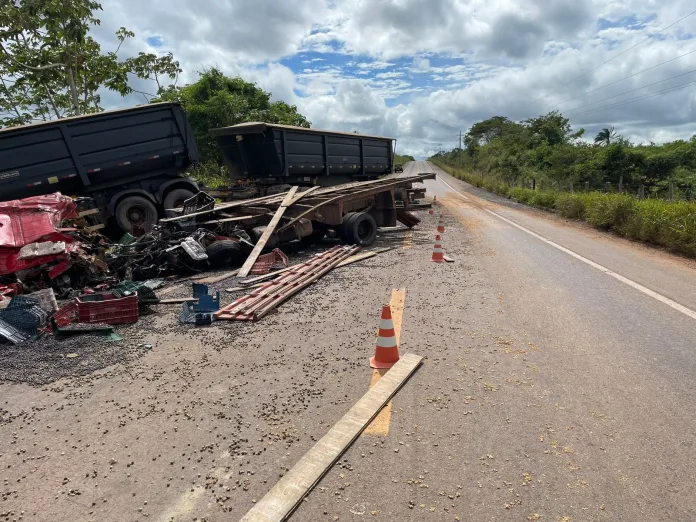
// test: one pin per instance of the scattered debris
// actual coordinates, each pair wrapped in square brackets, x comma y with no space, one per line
[259,303]
[267,262]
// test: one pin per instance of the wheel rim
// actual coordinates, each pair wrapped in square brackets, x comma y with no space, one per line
[364,230]
[137,215]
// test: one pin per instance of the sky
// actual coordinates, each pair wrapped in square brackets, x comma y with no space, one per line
[422,71]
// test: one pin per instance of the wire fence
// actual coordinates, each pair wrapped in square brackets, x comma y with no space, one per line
[670,191]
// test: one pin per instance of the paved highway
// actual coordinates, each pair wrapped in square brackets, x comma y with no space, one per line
[557,385]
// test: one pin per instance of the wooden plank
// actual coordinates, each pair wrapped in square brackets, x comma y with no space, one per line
[229,220]
[177,300]
[360,257]
[95,227]
[303,214]
[216,279]
[285,496]
[224,206]
[270,228]
[303,194]
[270,275]
[245,288]
[89,212]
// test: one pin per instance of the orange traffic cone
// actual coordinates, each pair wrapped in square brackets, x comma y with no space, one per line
[438,252]
[431,211]
[434,201]
[441,226]
[386,352]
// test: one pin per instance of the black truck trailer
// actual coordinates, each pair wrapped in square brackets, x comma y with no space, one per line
[130,161]
[269,154]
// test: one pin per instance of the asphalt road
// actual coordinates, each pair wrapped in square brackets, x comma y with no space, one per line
[557,386]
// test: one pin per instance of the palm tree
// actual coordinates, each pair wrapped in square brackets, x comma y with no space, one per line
[606,136]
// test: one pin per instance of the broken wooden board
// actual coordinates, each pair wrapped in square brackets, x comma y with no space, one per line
[448,259]
[360,257]
[285,496]
[270,228]
[177,300]
[269,275]
[216,279]
[89,212]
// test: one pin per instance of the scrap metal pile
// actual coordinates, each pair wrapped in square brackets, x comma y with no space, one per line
[49,253]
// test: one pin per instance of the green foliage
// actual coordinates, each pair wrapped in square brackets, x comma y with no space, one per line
[398,158]
[216,100]
[605,136]
[668,224]
[50,66]
[571,206]
[548,150]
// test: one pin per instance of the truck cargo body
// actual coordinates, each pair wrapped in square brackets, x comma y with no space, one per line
[109,156]
[280,154]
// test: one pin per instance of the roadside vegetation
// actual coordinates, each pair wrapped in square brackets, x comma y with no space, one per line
[639,191]
[398,158]
[671,225]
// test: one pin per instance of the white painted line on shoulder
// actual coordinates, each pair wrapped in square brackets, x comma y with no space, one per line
[666,300]
[451,187]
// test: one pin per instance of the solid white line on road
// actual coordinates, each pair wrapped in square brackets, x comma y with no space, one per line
[451,187]
[666,300]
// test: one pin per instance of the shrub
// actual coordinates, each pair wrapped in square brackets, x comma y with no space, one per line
[545,199]
[521,194]
[571,205]
[671,225]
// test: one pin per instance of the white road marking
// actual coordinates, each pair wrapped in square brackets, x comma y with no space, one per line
[666,300]
[452,188]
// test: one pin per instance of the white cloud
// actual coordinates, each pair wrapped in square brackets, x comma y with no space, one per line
[421,70]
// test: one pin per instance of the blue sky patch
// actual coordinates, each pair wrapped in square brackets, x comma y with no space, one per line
[155,41]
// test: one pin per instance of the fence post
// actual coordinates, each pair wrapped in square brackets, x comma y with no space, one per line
[641,192]
[621,184]
[571,187]
[607,187]
[671,190]
[534,184]
[587,186]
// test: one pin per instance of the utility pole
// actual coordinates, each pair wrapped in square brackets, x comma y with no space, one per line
[459,154]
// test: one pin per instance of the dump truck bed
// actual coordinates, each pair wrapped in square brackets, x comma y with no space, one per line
[79,154]
[268,154]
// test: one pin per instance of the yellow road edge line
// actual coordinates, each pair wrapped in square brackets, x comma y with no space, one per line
[379,426]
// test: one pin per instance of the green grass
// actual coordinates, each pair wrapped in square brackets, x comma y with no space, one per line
[662,223]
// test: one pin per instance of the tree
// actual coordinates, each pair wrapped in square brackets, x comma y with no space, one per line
[552,128]
[216,100]
[606,136]
[50,67]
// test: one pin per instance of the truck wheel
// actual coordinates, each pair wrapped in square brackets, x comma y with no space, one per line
[224,253]
[362,229]
[136,211]
[343,231]
[175,199]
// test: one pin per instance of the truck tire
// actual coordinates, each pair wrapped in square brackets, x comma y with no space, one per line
[361,229]
[175,199]
[345,225]
[224,253]
[136,211]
